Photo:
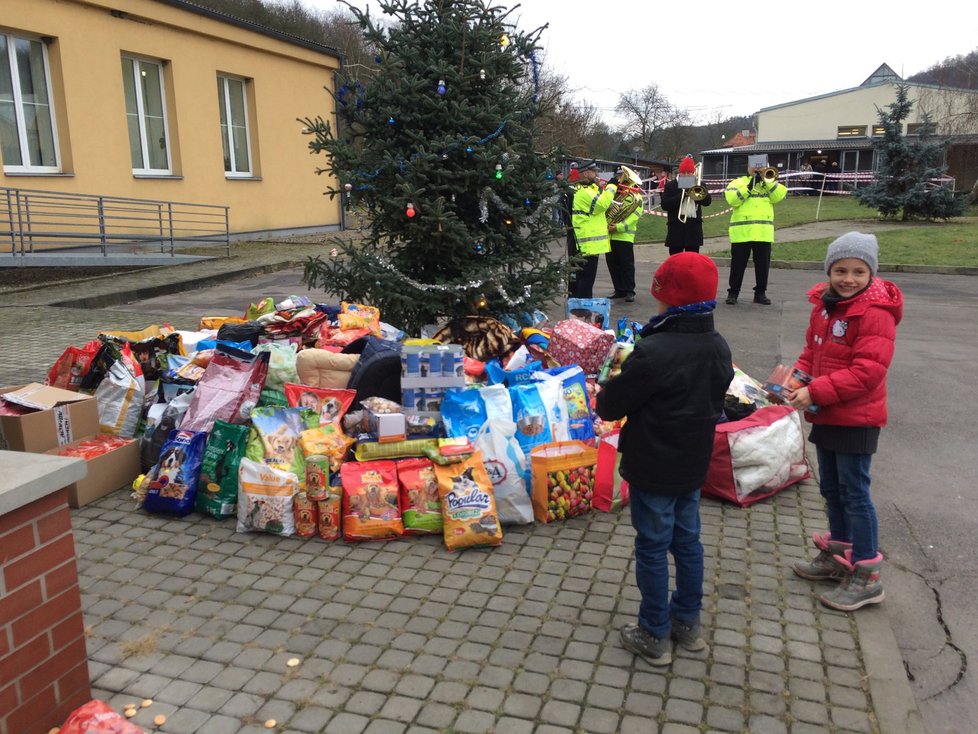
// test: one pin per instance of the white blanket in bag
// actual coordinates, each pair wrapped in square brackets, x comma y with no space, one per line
[767,458]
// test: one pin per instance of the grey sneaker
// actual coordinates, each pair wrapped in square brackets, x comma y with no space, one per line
[651,649]
[688,636]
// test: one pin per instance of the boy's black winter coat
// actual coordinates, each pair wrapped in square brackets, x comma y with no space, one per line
[671,389]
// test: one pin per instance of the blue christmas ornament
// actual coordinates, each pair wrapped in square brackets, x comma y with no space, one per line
[479,248]
[468,149]
[377,59]
[526,202]
[550,176]
[390,120]
[441,86]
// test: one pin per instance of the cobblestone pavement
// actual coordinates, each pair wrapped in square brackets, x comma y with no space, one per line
[403,636]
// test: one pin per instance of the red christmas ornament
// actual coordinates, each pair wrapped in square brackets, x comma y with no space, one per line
[410,211]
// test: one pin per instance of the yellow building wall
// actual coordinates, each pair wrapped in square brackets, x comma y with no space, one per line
[286,81]
[820,119]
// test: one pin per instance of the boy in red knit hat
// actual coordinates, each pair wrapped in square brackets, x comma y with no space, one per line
[671,389]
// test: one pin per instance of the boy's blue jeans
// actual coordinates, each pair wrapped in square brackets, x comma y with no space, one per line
[844,483]
[667,524]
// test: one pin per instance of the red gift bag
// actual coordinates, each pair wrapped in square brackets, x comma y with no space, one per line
[610,490]
[757,457]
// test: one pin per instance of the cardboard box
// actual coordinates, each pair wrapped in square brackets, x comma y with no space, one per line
[106,473]
[386,427]
[64,417]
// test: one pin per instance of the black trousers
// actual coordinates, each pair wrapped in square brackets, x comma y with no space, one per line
[674,249]
[740,253]
[585,278]
[621,266]
[571,254]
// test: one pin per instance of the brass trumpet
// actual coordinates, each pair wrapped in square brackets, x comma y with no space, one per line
[769,174]
[692,196]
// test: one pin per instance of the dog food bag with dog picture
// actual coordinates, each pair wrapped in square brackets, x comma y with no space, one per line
[217,493]
[173,480]
[330,404]
[265,499]
[274,438]
[468,506]
[419,497]
[371,505]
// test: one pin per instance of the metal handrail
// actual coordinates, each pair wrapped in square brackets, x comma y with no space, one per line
[33,220]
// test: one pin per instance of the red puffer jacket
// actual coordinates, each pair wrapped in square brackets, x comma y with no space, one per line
[848,352]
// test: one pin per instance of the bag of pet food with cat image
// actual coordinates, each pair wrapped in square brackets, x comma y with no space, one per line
[371,504]
[265,499]
[274,438]
[217,490]
[419,497]
[172,485]
[468,507]
[329,405]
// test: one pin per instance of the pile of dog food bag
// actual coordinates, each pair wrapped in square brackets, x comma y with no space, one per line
[321,421]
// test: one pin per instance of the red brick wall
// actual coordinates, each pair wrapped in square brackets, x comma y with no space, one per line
[43,661]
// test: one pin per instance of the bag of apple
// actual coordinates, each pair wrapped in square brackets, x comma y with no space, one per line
[562,480]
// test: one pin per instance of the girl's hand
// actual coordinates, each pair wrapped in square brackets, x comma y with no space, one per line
[800,398]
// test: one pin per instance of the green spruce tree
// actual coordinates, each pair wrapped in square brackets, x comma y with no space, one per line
[437,153]
[906,179]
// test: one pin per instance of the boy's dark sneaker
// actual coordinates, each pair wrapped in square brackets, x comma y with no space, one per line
[688,636]
[762,299]
[651,649]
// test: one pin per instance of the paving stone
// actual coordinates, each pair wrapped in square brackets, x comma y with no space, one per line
[724,719]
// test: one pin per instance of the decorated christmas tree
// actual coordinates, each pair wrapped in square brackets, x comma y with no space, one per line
[906,182]
[436,153]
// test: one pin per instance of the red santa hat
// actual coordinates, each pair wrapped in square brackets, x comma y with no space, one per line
[687,165]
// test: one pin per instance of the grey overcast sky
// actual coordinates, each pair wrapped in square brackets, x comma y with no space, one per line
[735,57]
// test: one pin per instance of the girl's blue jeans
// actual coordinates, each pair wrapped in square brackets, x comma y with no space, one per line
[845,486]
[667,525]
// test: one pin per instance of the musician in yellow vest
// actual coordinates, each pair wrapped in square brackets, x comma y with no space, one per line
[590,224]
[621,258]
[752,227]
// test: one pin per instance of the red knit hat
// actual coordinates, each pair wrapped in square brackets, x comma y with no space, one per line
[685,278]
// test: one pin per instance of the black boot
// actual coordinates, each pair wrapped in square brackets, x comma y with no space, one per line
[762,299]
[732,298]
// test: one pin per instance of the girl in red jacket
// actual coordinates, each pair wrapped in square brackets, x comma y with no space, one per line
[848,348]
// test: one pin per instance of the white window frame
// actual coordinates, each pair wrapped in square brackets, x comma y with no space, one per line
[137,66]
[229,139]
[19,109]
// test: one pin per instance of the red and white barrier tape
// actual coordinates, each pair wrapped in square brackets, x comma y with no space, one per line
[705,216]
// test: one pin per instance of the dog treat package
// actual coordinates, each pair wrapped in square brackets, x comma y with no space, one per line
[217,492]
[265,499]
[304,512]
[419,497]
[371,507]
[328,520]
[173,480]
[274,438]
[468,507]
[327,441]
[329,405]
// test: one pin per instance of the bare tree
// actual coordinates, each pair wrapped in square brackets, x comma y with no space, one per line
[646,113]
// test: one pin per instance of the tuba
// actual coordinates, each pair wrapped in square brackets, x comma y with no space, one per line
[628,197]
[695,194]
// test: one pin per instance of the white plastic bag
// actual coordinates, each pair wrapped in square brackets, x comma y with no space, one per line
[504,460]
